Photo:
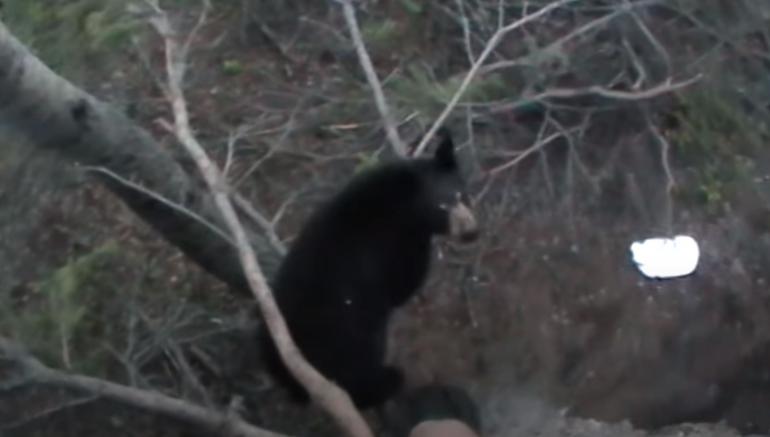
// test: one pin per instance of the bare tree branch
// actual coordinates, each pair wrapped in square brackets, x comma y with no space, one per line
[490,47]
[478,68]
[559,43]
[371,76]
[666,87]
[539,144]
[651,37]
[564,93]
[35,372]
[325,393]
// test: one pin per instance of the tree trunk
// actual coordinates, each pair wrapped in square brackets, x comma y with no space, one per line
[48,111]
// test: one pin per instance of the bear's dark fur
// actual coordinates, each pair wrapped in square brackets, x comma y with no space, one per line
[364,253]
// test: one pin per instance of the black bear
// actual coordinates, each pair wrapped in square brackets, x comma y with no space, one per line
[364,253]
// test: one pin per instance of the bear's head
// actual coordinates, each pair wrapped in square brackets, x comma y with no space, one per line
[421,196]
[442,194]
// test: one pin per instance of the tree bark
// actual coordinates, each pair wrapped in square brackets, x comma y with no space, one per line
[49,112]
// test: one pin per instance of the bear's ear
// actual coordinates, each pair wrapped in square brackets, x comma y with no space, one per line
[445,153]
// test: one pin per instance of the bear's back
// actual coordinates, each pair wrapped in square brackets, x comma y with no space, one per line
[363,243]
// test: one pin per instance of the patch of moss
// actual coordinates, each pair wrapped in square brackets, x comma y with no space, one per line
[59,327]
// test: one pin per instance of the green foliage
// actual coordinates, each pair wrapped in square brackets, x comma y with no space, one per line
[365,162]
[106,29]
[379,35]
[417,88]
[232,67]
[65,34]
[717,141]
[56,321]
[412,6]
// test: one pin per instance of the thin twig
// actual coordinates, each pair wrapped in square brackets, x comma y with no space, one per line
[285,131]
[202,19]
[564,93]
[663,88]
[75,403]
[524,153]
[665,148]
[232,139]
[371,76]
[638,65]
[464,22]
[190,379]
[171,204]
[561,42]
[65,348]
[574,155]
[651,37]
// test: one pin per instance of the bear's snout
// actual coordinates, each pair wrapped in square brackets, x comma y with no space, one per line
[462,223]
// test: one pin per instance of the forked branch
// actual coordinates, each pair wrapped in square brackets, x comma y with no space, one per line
[488,49]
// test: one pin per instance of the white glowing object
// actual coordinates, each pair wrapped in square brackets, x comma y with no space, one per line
[666,257]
